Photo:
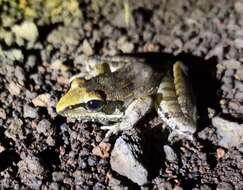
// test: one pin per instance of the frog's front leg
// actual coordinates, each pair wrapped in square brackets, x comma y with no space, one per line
[135,111]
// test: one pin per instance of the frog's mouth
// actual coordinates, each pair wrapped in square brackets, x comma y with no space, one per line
[81,114]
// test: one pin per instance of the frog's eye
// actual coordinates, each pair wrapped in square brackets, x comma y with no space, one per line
[94,105]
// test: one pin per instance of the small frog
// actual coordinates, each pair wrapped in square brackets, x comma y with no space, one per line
[118,91]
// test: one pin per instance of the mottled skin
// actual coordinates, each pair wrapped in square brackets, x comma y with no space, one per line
[124,89]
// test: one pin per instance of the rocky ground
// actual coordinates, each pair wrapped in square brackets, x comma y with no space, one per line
[43,43]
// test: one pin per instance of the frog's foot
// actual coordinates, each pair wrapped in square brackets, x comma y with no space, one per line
[116,128]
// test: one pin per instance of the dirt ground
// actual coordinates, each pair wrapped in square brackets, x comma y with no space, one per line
[43,43]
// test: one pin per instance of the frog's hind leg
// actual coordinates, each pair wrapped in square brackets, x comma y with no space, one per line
[92,67]
[97,65]
[135,111]
[175,103]
[118,61]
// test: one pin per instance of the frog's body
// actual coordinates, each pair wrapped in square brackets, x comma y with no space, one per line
[121,90]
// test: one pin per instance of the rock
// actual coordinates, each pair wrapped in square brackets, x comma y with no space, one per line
[2,148]
[205,187]
[54,186]
[238,5]
[125,159]
[64,36]
[29,111]
[115,183]
[122,20]
[102,150]
[31,171]
[50,141]
[14,88]
[42,100]
[26,30]
[83,164]
[44,127]
[78,179]
[31,61]
[238,43]
[14,130]
[230,133]
[19,74]
[124,45]
[162,184]
[177,187]
[220,153]
[30,95]
[170,154]
[231,64]
[16,55]
[92,161]
[68,180]
[87,49]
[2,114]
[98,186]
[58,176]
[58,65]
[224,186]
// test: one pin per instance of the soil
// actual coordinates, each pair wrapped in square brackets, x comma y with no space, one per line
[43,44]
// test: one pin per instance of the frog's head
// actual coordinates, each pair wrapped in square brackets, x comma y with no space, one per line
[83,104]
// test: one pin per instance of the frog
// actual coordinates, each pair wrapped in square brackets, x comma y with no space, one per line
[118,91]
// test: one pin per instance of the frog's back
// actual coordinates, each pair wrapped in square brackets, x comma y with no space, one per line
[134,80]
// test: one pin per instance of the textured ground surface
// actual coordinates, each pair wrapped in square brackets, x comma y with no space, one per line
[42,45]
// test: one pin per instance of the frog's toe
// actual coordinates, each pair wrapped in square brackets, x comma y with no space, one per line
[112,130]
[107,127]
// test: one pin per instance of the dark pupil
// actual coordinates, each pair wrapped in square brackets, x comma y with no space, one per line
[94,104]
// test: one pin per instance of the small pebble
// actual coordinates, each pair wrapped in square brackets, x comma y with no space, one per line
[87,49]
[102,150]
[30,112]
[225,186]
[170,154]
[57,176]
[92,161]
[26,30]
[42,100]
[44,127]
[220,153]
[2,114]
[2,148]
[14,130]
[14,88]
